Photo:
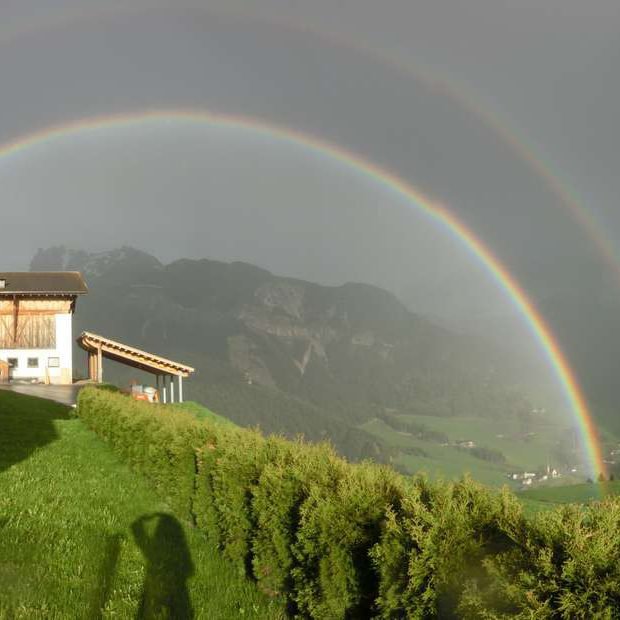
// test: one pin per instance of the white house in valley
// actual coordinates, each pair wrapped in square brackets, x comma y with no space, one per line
[36,314]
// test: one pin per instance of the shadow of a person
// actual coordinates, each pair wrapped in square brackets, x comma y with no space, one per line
[169,566]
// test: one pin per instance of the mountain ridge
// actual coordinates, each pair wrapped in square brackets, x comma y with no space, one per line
[290,355]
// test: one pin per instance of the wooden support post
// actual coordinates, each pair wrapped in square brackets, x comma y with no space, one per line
[171,388]
[99,366]
[164,390]
[180,388]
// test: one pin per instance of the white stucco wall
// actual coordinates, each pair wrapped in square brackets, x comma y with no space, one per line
[63,351]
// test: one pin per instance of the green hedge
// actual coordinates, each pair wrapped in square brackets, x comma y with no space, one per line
[338,540]
[159,445]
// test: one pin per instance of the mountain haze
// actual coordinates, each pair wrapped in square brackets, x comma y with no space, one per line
[289,355]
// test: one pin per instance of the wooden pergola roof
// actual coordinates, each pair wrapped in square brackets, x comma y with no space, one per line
[130,356]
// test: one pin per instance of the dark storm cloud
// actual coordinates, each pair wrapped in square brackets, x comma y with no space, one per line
[550,68]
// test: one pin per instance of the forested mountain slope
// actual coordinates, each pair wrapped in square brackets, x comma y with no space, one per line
[290,355]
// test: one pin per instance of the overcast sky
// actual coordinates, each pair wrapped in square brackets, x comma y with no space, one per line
[363,74]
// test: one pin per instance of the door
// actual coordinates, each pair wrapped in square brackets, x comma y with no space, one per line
[4,372]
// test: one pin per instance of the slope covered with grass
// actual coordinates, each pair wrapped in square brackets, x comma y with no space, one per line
[82,536]
[202,413]
[573,494]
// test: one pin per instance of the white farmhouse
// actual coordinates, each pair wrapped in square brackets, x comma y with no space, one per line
[36,312]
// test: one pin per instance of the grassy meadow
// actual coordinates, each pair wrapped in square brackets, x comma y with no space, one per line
[82,536]
[200,412]
[440,462]
[450,462]
[574,493]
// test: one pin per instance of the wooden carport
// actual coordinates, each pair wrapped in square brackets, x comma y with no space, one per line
[165,370]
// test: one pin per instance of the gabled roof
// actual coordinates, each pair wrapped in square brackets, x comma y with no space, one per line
[42,283]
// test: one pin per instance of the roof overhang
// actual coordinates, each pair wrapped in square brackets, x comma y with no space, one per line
[131,356]
[42,284]
[12,294]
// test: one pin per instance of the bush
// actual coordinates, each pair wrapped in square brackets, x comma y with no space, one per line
[236,473]
[204,511]
[486,454]
[339,524]
[434,549]
[284,485]
[565,565]
[356,541]
[159,443]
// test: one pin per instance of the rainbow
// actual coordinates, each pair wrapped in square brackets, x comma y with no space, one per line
[595,231]
[396,185]
[449,88]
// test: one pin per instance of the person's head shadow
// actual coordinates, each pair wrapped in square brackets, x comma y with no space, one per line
[168,567]
[26,424]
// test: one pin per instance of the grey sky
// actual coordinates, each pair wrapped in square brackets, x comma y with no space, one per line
[550,69]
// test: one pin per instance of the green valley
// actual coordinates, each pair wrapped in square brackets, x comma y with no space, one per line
[298,358]
[493,451]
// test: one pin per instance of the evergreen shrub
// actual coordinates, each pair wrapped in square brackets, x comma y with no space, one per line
[284,485]
[342,541]
[158,442]
[339,525]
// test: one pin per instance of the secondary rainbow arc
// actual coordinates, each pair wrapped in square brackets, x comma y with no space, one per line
[533,318]
[454,90]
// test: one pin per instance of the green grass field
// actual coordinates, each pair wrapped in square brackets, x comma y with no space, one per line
[440,462]
[499,435]
[548,498]
[202,413]
[449,462]
[576,493]
[445,462]
[82,536]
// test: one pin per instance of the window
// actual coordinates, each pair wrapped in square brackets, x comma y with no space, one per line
[13,362]
[33,362]
[53,362]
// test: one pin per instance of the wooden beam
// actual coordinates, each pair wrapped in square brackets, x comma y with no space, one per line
[15,318]
[26,312]
[131,356]
[144,362]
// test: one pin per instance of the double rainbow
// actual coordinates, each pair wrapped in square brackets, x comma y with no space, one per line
[78,16]
[398,186]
